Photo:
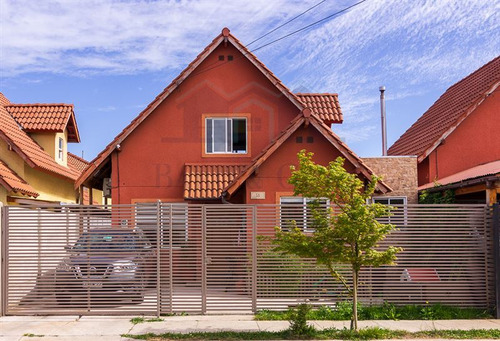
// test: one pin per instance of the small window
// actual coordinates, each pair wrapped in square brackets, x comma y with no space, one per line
[399,214]
[61,148]
[296,210]
[226,135]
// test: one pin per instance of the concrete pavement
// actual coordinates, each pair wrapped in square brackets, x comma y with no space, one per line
[76,328]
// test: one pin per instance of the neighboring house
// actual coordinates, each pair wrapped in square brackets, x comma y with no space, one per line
[457,141]
[35,165]
[225,130]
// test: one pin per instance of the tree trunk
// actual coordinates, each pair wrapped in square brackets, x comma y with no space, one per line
[354,324]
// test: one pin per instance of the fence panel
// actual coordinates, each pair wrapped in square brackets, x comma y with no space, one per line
[163,258]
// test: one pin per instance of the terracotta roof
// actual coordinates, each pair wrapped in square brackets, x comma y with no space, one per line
[203,181]
[98,161]
[490,168]
[297,122]
[448,112]
[3,100]
[28,149]
[325,106]
[77,163]
[45,117]
[13,182]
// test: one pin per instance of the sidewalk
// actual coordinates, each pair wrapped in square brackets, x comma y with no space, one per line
[76,328]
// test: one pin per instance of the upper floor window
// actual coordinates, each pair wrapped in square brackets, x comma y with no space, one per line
[226,135]
[60,148]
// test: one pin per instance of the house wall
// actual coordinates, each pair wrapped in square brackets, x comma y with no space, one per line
[475,141]
[50,187]
[272,176]
[399,173]
[151,161]
[49,141]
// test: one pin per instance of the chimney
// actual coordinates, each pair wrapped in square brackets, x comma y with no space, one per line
[382,116]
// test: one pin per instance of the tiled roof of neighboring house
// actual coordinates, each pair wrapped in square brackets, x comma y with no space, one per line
[99,160]
[448,112]
[28,149]
[208,181]
[77,163]
[13,182]
[490,168]
[3,100]
[285,134]
[46,117]
[325,106]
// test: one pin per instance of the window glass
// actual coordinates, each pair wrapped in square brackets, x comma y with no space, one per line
[295,209]
[61,148]
[219,135]
[209,136]
[239,135]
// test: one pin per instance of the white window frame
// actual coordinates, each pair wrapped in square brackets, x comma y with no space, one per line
[225,119]
[60,148]
[391,219]
[303,203]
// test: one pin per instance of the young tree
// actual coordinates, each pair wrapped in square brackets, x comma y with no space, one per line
[349,236]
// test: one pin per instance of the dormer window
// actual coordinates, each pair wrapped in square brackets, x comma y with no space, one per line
[61,149]
[226,135]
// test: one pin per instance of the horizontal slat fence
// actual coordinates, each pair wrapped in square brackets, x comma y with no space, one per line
[164,258]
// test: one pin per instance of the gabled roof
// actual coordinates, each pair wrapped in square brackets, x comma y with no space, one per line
[28,149]
[297,122]
[77,163]
[325,106]
[202,181]
[444,116]
[40,117]
[225,36]
[14,183]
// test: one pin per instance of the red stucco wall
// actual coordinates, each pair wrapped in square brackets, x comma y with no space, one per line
[475,141]
[151,161]
[272,176]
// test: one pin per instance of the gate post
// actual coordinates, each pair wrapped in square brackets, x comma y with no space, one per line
[158,258]
[3,265]
[203,259]
[496,255]
[254,259]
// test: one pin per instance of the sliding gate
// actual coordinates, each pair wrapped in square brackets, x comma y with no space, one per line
[160,258]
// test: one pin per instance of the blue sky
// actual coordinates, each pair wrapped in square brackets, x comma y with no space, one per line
[111,58]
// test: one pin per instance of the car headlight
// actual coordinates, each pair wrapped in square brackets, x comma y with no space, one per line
[124,267]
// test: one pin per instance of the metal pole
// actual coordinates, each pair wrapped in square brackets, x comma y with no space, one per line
[496,255]
[158,258]
[171,260]
[382,116]
[4,264]
[203,259]
[254,259]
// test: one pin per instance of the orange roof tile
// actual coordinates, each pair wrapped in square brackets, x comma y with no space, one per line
[13,182]
[101,157]
[203,181]
[490,168]
[28,149]
[77,163]
[448,112]
[45,117]
[325,106]
[3,100]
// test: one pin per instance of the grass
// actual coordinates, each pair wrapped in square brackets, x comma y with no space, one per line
[340,334]
[386,311]
[137,320]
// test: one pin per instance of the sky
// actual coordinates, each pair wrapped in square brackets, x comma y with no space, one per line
[111,58]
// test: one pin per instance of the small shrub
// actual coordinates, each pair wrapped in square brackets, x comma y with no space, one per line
[298,321]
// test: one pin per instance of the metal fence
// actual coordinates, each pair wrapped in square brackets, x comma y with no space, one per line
[171,258]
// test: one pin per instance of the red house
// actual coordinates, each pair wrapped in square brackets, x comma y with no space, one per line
[457,140]
[225,130]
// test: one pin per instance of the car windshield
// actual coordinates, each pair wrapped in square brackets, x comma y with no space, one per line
[110,240]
